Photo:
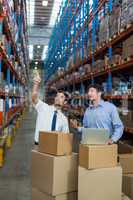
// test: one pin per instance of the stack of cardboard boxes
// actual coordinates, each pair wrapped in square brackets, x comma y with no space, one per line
[99,175]
[57,176]
[114,20]
[126,161]
[54,168]
[103,35]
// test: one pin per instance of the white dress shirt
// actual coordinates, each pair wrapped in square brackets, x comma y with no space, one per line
[45,114]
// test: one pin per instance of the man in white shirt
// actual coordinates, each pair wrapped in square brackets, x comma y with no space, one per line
[49,118]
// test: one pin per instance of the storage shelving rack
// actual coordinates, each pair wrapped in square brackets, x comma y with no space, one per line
[76,35]
[13,68]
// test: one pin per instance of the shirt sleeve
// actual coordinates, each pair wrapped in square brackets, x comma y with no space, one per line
[40,105]
[117,125]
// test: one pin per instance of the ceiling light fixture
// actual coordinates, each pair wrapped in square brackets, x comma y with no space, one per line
[38,46]
[36,63]
[55,10]
[31,12]
[44,3]
[44,54]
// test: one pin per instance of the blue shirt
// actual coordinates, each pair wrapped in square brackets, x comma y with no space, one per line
[105,115]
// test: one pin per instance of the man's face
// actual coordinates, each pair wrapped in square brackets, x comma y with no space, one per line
[59,99]
[93,94]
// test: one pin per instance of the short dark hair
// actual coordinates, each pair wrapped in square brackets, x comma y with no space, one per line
[98,87]
[53,92]
[64,92]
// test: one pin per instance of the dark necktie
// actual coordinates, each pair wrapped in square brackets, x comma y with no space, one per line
[53,126]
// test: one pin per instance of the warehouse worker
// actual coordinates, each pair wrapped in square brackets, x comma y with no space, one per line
[49,118]
[101,114]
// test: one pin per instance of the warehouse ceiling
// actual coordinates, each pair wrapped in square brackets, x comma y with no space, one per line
[41,17]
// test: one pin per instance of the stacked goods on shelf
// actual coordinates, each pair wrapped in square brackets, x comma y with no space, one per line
[116,60]
[126,13]
[121,87]
[2,111]
[109,27]
[87,68]
[54,168]
[11,20]
[130,12]
[81,71]
[98,65]
[127,119]
[103,34]
[128,47]
[114,21]
[13,64]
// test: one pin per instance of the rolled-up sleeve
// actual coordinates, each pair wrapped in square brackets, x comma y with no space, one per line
[117,125]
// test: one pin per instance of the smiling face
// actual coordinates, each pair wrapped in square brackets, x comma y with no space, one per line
[94,94]
[60,99]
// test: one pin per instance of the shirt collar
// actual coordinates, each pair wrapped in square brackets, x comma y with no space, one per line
[55,109]
[101,103]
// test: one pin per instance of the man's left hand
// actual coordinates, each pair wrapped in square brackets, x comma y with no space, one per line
[110,141]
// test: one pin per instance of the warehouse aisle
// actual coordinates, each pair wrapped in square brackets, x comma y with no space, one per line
[15,180]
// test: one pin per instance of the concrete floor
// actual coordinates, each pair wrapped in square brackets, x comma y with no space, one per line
[15,177]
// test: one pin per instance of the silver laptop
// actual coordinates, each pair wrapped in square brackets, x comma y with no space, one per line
[94,136]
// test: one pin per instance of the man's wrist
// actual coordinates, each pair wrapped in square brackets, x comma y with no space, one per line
[36,83]
[113,140]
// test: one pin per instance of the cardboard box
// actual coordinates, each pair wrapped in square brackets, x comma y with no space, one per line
[125,147]
[55,143]
[126,161]
[97,156]
[128,47]
[127,185]
[100,184]
[37,195]
[124,197]
[54,174]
